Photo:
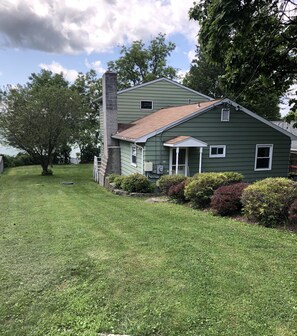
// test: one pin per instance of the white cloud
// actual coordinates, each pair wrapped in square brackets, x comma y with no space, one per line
[73,26]
[55,67]
[97,66]
[181,74]
[191,55]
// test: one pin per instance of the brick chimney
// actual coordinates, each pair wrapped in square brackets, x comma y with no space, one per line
[110,160]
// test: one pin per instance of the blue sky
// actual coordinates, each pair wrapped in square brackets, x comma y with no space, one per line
[72,36]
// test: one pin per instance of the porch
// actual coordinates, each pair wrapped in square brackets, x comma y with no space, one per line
[179,154]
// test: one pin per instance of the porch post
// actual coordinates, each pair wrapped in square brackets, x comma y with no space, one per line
[200,159]
[176,161]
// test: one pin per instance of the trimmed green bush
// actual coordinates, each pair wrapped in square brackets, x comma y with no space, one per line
[136,183]
[118,180]
[226,200]
[233,177]
[268,201]
[112,177]
[201,188]
[167,181]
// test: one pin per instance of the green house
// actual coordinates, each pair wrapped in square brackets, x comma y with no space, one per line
[175,130]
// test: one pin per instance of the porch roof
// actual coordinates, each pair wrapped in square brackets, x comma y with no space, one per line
[185,141]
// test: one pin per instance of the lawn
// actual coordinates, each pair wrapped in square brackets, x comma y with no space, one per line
[78,260]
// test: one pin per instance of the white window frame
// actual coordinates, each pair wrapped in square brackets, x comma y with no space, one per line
[217,155]
[270,146]
[134,164]
[223,114]
[143,108]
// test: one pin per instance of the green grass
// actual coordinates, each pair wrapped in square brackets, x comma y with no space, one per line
[78,260]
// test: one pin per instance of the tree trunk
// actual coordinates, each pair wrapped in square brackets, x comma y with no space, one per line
[45,161]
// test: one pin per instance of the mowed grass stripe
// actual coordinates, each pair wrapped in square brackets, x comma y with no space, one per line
[78,260]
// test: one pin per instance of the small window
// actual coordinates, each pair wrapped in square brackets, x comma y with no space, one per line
[133,155]
[217,151]
[263,159]
[146,105]
[225,114]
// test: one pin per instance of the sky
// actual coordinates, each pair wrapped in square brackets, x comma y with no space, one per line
[72,36]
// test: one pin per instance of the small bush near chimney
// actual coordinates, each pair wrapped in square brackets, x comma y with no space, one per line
[136,183]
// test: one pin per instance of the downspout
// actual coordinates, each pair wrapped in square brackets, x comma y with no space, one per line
[200,159]
[142,158]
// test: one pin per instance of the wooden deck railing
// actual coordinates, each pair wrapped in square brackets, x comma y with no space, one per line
[1,164]
[97,163]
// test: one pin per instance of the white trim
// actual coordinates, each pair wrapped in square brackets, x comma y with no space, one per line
[146,100]
[189,142]
[142,157]
[223,110]
[217,155]
[270,146]
[131,155]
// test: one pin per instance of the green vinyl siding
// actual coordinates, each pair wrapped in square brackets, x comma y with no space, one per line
[162,93]
[240,136]
[126,167]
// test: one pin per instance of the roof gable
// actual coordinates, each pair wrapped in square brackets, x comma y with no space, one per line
[163,119]
[166,80]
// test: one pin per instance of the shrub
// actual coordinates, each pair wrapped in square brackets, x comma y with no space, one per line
[112,177]
[201,188]
[167,181]
[233,177]
[226,199]
[268,201]
[293,213]
[118,180]
[136,183]
[177,192]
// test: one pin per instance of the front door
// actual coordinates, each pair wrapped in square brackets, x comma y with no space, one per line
[179,161]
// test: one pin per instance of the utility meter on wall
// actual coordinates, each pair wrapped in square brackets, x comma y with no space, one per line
[160,169]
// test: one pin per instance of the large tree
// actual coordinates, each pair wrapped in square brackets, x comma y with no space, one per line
[204,77]
[40,116]
[89,87]
[255,42]
[139,64]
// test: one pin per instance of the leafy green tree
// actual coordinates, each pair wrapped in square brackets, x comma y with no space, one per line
[139,64]
[40,116]
[89,87]
[255,43]
[204,77]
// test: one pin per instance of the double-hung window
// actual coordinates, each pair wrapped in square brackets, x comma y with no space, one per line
[133,155]
[263,160]
[217,151]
